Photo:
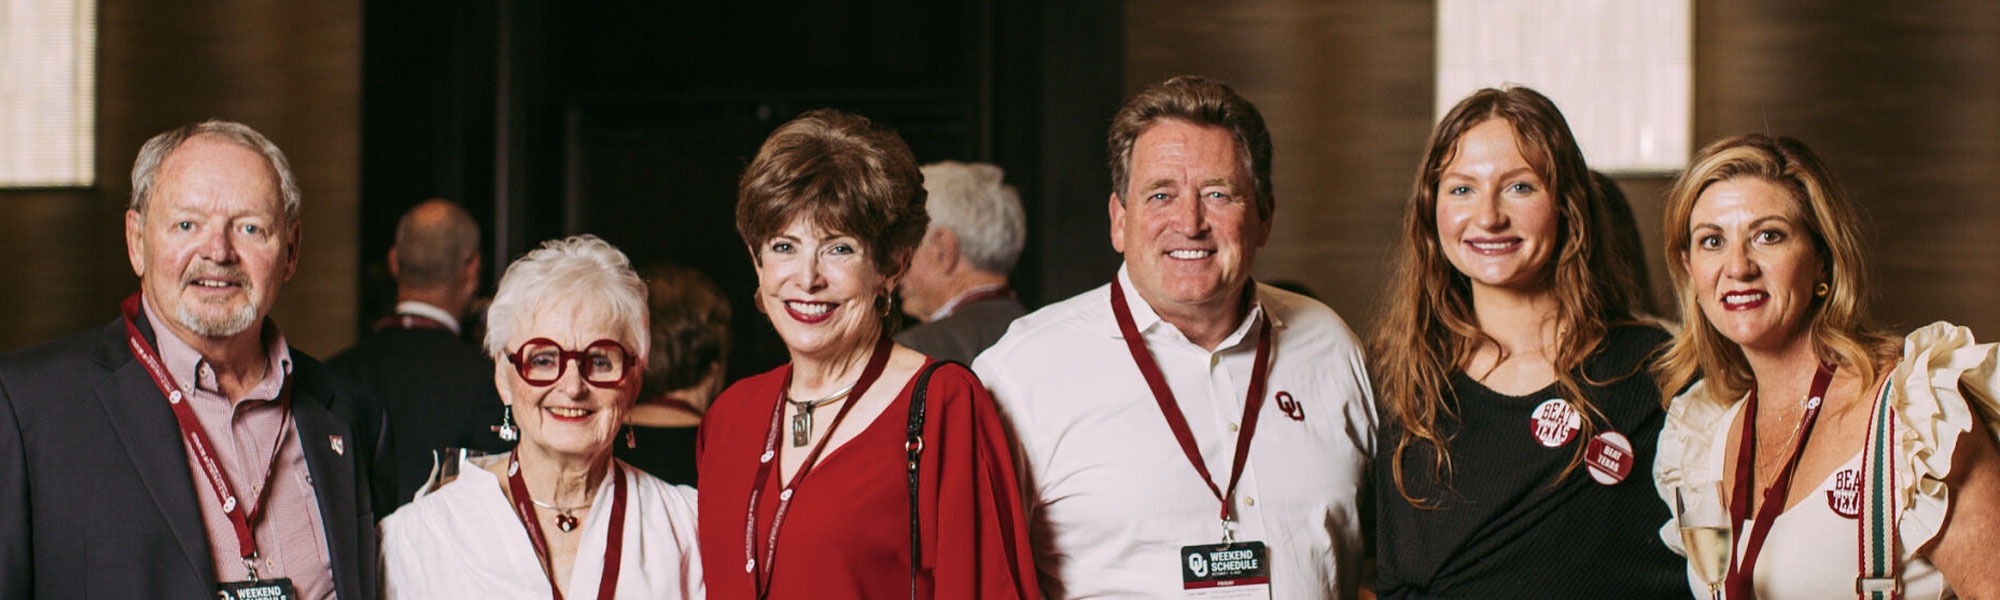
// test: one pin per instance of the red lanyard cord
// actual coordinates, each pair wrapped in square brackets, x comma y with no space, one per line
[762,571]
[614,542]
[1253,403]
[1741,571]
[242,516]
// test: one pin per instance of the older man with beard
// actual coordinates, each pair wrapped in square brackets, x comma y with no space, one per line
[183,450]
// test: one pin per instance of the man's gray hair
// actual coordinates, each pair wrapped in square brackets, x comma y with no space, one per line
[973,201]
[147,166]
[435,241]
[581,272]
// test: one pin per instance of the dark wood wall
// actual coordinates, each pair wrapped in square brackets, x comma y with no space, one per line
[291,70]
[1903,104]
[632,120]
[495,104]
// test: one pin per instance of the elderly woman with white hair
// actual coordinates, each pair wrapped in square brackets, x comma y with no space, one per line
[557,517]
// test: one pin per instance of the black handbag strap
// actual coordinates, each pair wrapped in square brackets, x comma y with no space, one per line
[913,447]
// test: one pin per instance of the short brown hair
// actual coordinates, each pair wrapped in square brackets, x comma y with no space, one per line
[844,174]
[690,327]
[1200,101]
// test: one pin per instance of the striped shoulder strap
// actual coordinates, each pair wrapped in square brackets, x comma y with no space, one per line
[1877,578]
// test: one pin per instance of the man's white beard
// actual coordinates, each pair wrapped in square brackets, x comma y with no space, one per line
[229,325]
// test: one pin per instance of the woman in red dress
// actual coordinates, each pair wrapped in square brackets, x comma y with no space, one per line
[805,487]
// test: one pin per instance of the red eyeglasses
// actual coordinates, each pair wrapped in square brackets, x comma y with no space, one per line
[541,362]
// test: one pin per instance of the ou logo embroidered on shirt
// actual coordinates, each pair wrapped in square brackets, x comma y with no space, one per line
[1845,497]
[1292,408]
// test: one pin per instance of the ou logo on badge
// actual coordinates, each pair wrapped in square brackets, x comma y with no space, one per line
[1198,564]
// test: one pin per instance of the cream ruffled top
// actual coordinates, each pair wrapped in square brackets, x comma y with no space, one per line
[1931,413]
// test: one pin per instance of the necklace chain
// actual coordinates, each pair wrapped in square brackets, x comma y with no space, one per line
[1768,472]
[565,521]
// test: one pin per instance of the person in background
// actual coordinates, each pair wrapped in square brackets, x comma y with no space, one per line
[690,331]
[558,516]
[813,484]
[436,390]
[957,284]
[184,449]
[1628,248]
[1519,407]
[1823,434]
[1135,405]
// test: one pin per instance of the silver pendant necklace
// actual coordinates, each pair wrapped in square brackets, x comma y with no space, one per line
[802,414]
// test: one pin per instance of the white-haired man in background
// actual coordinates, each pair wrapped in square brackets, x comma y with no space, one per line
[957,283]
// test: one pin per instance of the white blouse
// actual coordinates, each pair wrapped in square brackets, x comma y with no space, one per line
[1813,547]
[464,541]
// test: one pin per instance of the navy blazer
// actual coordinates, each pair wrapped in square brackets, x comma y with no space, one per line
[96,497]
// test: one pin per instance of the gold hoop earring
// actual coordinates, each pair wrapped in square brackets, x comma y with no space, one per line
[887,306]
[1821,289]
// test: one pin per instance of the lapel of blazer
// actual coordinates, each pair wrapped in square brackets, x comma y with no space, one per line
[146,428]
[332,473]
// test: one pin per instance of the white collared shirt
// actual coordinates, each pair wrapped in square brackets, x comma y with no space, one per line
[1111,496]
[425,310]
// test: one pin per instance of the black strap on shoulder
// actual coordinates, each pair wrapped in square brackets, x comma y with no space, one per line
[913,447]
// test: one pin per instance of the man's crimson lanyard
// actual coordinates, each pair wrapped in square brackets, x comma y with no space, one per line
[1741,571]
[240,516]
[978,296]
[1252,404]
[614,542]
[762,571]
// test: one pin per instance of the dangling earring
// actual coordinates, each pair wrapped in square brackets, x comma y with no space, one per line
[508,432]
[887,305]
[630,442]
[1821,289]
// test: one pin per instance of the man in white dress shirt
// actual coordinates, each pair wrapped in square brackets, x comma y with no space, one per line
[1151,468]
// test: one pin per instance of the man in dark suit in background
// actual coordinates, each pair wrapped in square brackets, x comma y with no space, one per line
[183,449]
[437,390]
[957,283]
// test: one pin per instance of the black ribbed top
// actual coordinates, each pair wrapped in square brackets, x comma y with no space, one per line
[1511,525]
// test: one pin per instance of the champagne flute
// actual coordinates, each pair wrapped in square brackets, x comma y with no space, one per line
[1705,532]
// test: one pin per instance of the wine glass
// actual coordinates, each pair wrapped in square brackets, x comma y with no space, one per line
[1705,531]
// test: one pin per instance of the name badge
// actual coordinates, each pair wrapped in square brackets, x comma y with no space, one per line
[262,589]
[1236,570]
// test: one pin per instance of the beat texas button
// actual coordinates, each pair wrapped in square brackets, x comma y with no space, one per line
[1554,423]
[1609,458]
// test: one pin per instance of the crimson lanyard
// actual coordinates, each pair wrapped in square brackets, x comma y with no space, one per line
[1740,572]
[1252,403]
[240,517]
[614,543]
[762,571]
[980,296]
